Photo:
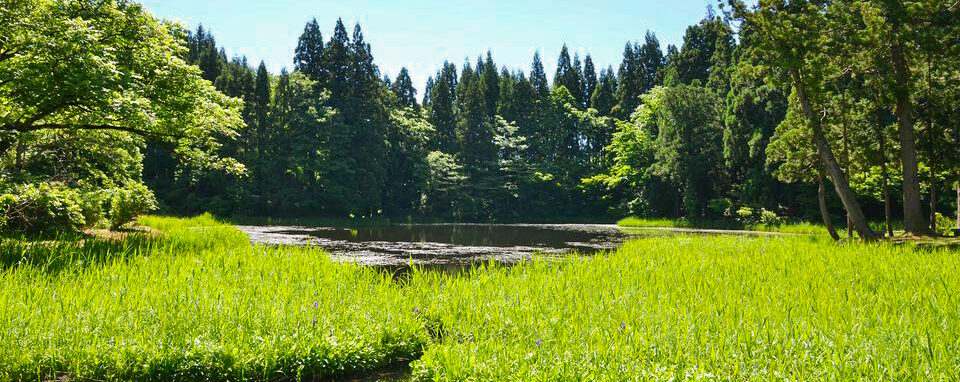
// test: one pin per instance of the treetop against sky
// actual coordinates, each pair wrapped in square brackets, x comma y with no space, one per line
[421,34]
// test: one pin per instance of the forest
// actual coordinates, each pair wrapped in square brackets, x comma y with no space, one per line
[823,111]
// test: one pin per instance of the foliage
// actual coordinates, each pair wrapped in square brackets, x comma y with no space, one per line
[131,79]
[43,207]
[128,202]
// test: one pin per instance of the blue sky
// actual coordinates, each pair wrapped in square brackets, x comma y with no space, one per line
[422,34]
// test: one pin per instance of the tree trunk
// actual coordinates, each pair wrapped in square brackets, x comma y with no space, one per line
[933,204]
[913,219]
[840,183]
[887,202]
[824,212]
[958,204]
[846,152]
[885,176]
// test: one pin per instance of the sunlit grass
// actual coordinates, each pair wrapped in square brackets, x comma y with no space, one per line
[804,228]
[725,308]
[198,302]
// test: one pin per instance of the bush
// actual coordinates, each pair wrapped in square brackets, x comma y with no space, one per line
[130,201]
[92,207]
[43,207]
[945,225]
[770,218]
[745,215]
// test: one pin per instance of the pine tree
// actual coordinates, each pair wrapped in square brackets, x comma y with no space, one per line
[491,85]
[604,97]
[628,91]
[569,74]
[403,89]
[204,54]
[427,93]
[589,80]
[538,77]
[650,60]
[336,63]
[368,117]
[443,101]
[261,109]
[308,57]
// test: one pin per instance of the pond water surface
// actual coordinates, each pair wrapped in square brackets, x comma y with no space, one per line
[445,244]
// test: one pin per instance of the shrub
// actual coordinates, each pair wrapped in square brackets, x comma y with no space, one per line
[92,207]
[43,207]
[945,225]
[130,201]
[770,218]
[745,215]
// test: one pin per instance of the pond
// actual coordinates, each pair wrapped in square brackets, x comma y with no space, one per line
[444,244]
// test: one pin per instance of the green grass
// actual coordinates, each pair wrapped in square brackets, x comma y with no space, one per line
[184,306]
[201,303]
[804,228]
[727,308]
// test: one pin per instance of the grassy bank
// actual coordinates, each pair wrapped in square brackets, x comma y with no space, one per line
[185,306]
[803,228]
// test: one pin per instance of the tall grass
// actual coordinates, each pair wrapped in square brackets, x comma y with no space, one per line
[220,310]
[198,302]
[725,308]
[804,228]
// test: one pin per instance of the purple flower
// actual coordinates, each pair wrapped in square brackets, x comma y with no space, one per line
[315,304]
[539,341]
[623,325]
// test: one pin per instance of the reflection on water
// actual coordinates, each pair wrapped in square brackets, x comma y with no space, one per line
[444,244]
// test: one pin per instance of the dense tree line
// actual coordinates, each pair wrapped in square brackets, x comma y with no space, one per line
[761,108]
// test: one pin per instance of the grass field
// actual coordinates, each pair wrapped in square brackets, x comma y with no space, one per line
[199,303]
[803,228]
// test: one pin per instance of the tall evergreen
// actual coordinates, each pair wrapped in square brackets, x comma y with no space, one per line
[368,117]
[589,80]
[204,54]
[443,101]
[336,62]
[628,91]
[491,84]
[651,61]
[308,57]
[604,97]
[538,77]
[569,74]
[261,109]
[403,88]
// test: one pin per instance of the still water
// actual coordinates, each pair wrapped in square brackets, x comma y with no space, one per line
[444,244]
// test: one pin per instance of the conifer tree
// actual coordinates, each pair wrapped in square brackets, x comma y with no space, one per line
[308,57]
[261,108]
[604,97]
[442,115]
[403,88]
[569,74]
[628,91]
[538,77]
[589,80]
[491,84]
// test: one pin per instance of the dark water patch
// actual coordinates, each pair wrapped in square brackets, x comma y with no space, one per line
[445,246]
